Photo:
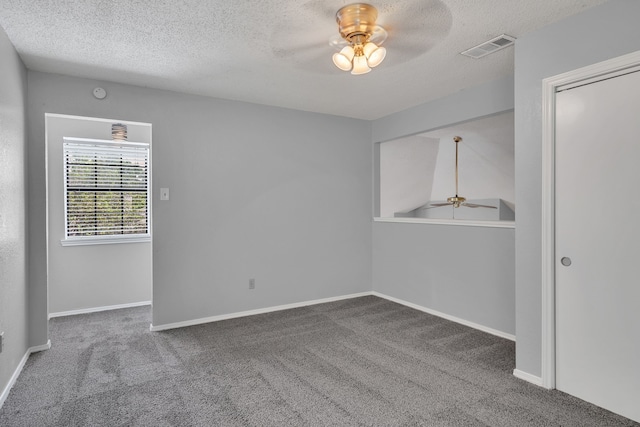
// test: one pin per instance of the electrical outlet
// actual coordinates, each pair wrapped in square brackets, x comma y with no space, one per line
[252,283]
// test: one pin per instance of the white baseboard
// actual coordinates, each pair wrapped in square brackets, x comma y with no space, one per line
[16,373]
[448,317]
[528,377]
[156,328]
[40,348]
[14,378]
[97,309]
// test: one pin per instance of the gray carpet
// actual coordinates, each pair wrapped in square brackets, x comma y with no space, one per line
[365,361]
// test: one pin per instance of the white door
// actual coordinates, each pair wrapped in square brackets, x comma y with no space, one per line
[598,234]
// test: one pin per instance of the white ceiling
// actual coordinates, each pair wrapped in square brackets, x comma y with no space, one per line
[274,52]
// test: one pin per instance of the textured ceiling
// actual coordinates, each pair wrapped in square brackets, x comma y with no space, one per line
[274,52]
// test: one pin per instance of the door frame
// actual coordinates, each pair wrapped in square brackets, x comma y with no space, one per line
[48,144]
[589,74]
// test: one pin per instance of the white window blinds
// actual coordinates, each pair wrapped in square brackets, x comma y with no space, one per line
[106,189]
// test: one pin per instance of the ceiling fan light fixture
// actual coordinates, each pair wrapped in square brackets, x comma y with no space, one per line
[357,27]
[343,58]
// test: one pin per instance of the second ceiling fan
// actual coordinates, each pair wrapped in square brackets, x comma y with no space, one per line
[457,201]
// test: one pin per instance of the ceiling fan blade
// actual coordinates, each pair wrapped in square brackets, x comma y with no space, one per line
[414,26]
[295,41]
[473,205]
[437,205]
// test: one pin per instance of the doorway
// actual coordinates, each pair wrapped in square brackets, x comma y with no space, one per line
[597,235]
[589,287]
[96,275]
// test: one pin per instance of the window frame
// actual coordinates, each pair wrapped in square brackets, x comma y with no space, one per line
[111,238]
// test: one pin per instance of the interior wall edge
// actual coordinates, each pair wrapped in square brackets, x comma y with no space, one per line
[530,378]
[14,207]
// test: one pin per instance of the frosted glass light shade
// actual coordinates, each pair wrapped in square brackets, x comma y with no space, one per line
[368,48]
[343,58]
[360,65]
[119,132]
[374,54]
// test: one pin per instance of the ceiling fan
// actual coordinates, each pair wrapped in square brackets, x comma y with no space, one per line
[457,201]
[413,27]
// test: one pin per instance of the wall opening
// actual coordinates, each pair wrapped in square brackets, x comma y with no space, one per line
[417,172]
[91,277]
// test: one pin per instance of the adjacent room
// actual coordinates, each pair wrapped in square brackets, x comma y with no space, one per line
[319,213]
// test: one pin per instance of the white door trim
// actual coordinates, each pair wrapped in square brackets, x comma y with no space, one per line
[550,86]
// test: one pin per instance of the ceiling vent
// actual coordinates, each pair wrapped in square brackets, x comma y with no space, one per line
[490,46]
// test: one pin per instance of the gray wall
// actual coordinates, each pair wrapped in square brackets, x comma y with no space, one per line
[278,195]
[596,35]
[465,272]
[483,100]
[407,166]
[13,198]
[90,276]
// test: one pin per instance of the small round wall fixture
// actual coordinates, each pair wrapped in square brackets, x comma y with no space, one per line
[99,93]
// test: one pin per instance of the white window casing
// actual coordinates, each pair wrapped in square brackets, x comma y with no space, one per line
[106,191]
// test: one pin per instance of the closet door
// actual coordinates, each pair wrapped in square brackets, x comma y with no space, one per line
[598,243]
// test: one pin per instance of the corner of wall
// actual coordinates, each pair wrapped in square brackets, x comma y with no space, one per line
[13,210]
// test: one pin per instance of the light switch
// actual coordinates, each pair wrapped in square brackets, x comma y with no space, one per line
[164,194]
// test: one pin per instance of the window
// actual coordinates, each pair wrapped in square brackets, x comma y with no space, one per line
[106,187]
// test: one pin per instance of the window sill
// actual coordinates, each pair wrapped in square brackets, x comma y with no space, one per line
[86,241]
[456,222]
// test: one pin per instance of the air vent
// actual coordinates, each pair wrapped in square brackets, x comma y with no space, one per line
[490,46]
